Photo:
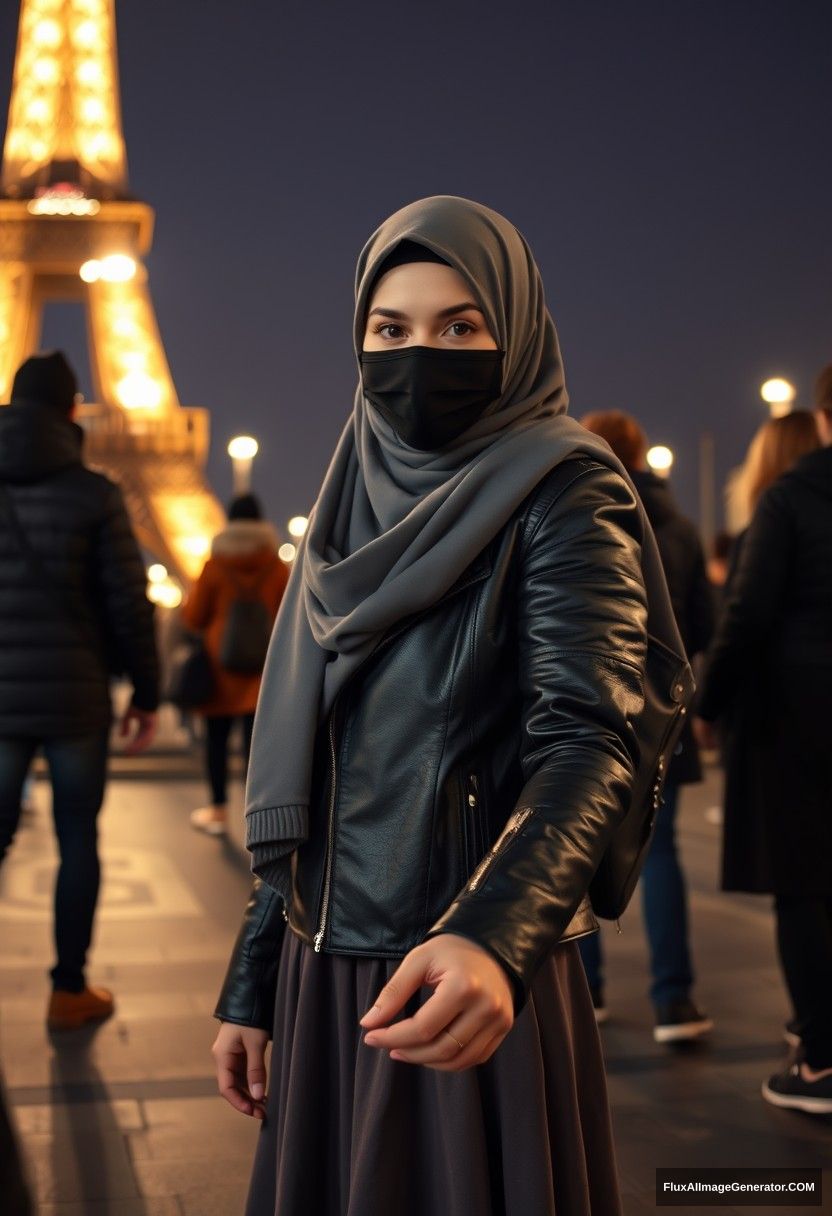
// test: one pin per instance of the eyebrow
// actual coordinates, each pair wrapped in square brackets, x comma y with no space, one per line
[394,315]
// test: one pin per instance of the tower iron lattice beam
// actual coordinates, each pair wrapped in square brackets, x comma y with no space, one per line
[70,230]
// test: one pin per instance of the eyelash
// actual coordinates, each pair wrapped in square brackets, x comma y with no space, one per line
[470,328]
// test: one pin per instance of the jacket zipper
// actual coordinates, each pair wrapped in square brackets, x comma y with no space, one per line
[330,839]
[474,856]
[509,832]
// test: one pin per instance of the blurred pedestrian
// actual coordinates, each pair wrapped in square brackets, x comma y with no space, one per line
[444,744]
[664,898]
[823,405]
[73,610]
[233,605]
[768,682]
[776,445]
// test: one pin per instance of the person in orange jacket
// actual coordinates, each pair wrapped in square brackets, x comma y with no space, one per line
[243,565]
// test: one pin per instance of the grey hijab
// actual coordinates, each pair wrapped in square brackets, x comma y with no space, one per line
[393,528]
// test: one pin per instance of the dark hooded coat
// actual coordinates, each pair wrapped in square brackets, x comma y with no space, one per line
[58,647]
[769,683]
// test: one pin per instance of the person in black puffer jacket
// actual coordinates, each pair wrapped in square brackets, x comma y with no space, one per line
[72,608]
[662,884]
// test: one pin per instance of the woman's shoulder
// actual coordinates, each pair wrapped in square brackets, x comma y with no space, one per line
[579,480]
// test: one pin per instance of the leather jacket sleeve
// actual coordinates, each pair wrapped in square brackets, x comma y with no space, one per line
[582,620]
[248,992]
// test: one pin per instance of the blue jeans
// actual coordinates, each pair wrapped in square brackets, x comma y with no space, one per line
[664,903]
[78,770]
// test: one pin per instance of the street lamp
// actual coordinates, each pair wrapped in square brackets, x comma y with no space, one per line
[242,450]
[778,395]
[297,525]
[287,553]
[660,460]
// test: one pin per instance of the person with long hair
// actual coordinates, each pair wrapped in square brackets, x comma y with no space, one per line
[776,446]
[767,683]
[443,746]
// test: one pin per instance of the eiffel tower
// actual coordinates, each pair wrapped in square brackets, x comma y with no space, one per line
[70,230]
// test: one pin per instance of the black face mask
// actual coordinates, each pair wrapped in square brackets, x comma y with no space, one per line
[428,395]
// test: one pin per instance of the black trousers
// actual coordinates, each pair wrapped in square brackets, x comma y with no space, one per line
[78,770]
[804,940]
[217,734]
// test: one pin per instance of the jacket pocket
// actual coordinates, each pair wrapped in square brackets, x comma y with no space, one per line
[515,825]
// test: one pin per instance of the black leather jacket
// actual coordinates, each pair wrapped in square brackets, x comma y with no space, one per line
[471,774]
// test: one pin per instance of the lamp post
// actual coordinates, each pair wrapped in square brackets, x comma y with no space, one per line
[660,460]
[242,450]
[779,395]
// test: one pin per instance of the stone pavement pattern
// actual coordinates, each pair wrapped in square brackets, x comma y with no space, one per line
[125,1121]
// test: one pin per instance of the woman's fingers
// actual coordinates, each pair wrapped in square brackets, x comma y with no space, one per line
[231,1082]
[484,1018]
[449,1058]
[405,980]
[256,1073]
[438,1011]
[240,1053]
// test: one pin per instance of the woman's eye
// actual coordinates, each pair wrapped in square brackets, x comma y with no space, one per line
[460,329]
[390,331]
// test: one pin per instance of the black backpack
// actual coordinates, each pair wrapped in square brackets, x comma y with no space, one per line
[247,633]
[191,682]
[668,692]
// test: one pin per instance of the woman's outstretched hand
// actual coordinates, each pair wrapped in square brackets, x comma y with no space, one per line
[240,1059]
[472,1005]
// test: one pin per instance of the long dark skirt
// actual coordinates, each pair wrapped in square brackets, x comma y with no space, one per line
[350,1132]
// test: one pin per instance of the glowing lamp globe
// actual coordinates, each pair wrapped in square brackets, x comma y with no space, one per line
[660,459]
[243,447]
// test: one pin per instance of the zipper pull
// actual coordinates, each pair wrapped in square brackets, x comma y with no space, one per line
[618,926]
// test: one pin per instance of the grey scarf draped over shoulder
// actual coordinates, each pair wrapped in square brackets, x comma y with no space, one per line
[393,528]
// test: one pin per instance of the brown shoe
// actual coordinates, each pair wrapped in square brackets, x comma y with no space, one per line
[69,1010]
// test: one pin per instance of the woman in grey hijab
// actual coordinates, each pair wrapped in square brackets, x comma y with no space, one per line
[442,748]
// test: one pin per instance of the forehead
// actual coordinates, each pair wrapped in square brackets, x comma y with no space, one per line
[420,285]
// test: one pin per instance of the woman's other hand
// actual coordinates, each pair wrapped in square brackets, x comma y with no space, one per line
[461,1024]
[240,1059]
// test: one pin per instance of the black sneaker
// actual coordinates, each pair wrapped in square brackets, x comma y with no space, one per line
[602,1014]
[789,1090]
[680,1022]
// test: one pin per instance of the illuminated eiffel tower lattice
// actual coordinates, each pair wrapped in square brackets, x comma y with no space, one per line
[69,230]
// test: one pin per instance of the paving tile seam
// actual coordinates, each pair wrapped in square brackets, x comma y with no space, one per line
[747,1053]
[104,1092]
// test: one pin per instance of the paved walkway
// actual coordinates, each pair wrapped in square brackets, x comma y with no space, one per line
[124,1121]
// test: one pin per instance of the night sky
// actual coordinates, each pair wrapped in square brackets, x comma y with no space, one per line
[669,164]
